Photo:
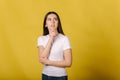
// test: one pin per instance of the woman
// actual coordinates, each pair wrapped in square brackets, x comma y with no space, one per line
[54,49]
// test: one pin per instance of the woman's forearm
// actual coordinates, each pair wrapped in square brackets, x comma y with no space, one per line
[59,63]
[66,62]
[47,49]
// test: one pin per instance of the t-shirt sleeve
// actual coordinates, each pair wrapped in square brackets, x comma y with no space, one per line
[40,42]
[66,44]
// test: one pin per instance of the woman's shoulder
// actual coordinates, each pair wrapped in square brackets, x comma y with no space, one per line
[64,36]
[42,37]
[65,39]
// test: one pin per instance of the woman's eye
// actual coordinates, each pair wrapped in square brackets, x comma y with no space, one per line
[55,19]
[48,19]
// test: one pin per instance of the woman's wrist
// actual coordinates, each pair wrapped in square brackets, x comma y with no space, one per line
[51,39]
[47,62]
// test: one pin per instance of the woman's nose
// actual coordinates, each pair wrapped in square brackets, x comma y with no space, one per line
[53,21]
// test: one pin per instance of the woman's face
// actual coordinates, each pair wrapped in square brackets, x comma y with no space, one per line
[52,22]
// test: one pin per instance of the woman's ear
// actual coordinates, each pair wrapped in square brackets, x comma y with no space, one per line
[46,26]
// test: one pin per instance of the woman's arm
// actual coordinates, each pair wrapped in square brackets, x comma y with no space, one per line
[44,52]
[67,62]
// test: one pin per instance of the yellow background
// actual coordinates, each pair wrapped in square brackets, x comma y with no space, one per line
[93,27]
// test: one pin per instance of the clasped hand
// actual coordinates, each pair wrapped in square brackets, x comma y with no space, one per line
[43,60]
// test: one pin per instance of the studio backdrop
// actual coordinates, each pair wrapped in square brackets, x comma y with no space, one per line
[93,27]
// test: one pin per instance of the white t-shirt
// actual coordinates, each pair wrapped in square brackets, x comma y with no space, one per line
[60,44]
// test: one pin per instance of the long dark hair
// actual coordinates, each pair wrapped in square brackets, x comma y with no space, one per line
[59,28]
